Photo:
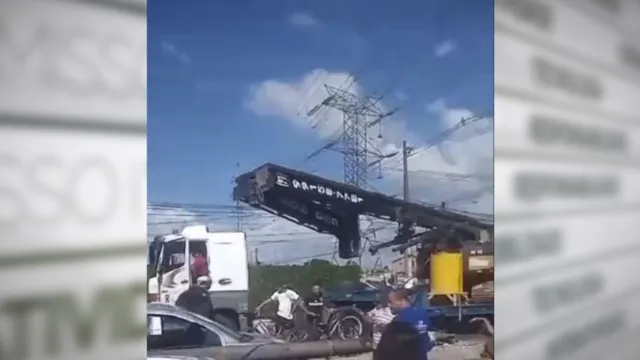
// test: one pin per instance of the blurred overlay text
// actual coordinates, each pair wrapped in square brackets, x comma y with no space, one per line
[72,179]
[567,200]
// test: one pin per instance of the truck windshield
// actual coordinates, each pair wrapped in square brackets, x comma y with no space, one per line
[173,256]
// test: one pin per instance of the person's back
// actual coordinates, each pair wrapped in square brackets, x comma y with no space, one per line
[285,298]
[399,340]
[417,317]
[196,299]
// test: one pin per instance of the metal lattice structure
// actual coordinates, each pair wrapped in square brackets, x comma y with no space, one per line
[359,115]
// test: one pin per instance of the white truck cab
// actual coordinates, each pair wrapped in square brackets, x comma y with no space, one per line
[169,265]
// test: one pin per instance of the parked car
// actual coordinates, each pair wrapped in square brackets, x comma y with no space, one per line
[175,333]
[170,327]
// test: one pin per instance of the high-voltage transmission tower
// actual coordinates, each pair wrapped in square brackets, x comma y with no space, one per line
[359,115]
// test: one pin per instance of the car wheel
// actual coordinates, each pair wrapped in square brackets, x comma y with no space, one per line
[227,321]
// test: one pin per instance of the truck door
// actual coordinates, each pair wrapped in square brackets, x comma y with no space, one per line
[173,270]
[228,265]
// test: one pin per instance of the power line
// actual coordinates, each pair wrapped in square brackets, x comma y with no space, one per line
[448,133]
[353,142]
[301,258]
[238,206]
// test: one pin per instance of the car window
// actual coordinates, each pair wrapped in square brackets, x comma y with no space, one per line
[169,332]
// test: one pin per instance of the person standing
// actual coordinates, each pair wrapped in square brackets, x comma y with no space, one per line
[315,303]
[199,266]
[417,317]
[196,299]
[287,300]
[399,341]
[380,317]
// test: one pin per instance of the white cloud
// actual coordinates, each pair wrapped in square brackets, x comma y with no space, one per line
[280,240]
[302,19]
[445,48]
[469,151]
[171,50]
[293,99]
[400,95]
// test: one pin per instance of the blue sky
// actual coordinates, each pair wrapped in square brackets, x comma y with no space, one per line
[209,109]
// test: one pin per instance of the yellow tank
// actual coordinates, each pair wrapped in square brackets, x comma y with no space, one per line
[446,273]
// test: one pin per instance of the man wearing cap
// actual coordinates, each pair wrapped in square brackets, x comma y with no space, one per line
[196,298]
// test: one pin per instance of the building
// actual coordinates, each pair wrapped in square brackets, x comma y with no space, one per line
[398,267]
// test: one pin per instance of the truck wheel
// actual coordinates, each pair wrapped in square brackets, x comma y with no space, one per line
[227,321]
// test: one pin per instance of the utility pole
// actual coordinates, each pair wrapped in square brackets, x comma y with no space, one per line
[405,171]
[238,209]
[238,216]
[255,254]
[405,196]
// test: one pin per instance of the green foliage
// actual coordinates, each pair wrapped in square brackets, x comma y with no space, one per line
[265,279]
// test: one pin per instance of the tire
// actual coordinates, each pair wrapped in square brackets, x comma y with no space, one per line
[350,327]
[348,316]
[226,320]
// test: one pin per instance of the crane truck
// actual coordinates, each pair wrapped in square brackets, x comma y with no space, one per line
[169,270]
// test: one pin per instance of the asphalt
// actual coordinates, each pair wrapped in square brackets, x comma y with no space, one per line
[466,349]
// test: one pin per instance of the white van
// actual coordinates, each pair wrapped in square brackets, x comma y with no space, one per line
[226,253]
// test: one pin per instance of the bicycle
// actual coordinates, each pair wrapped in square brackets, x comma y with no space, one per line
[287,332]
[344,323]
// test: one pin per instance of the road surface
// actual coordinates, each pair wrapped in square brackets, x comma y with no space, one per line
[463,350]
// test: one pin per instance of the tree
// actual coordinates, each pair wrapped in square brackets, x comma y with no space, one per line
[265,279]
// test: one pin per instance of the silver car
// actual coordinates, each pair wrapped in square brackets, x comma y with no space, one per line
[170,327]
[174,332]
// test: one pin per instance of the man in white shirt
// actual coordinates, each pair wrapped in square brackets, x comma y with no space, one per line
[287,300]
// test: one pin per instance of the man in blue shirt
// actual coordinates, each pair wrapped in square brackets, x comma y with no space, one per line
[417,317]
